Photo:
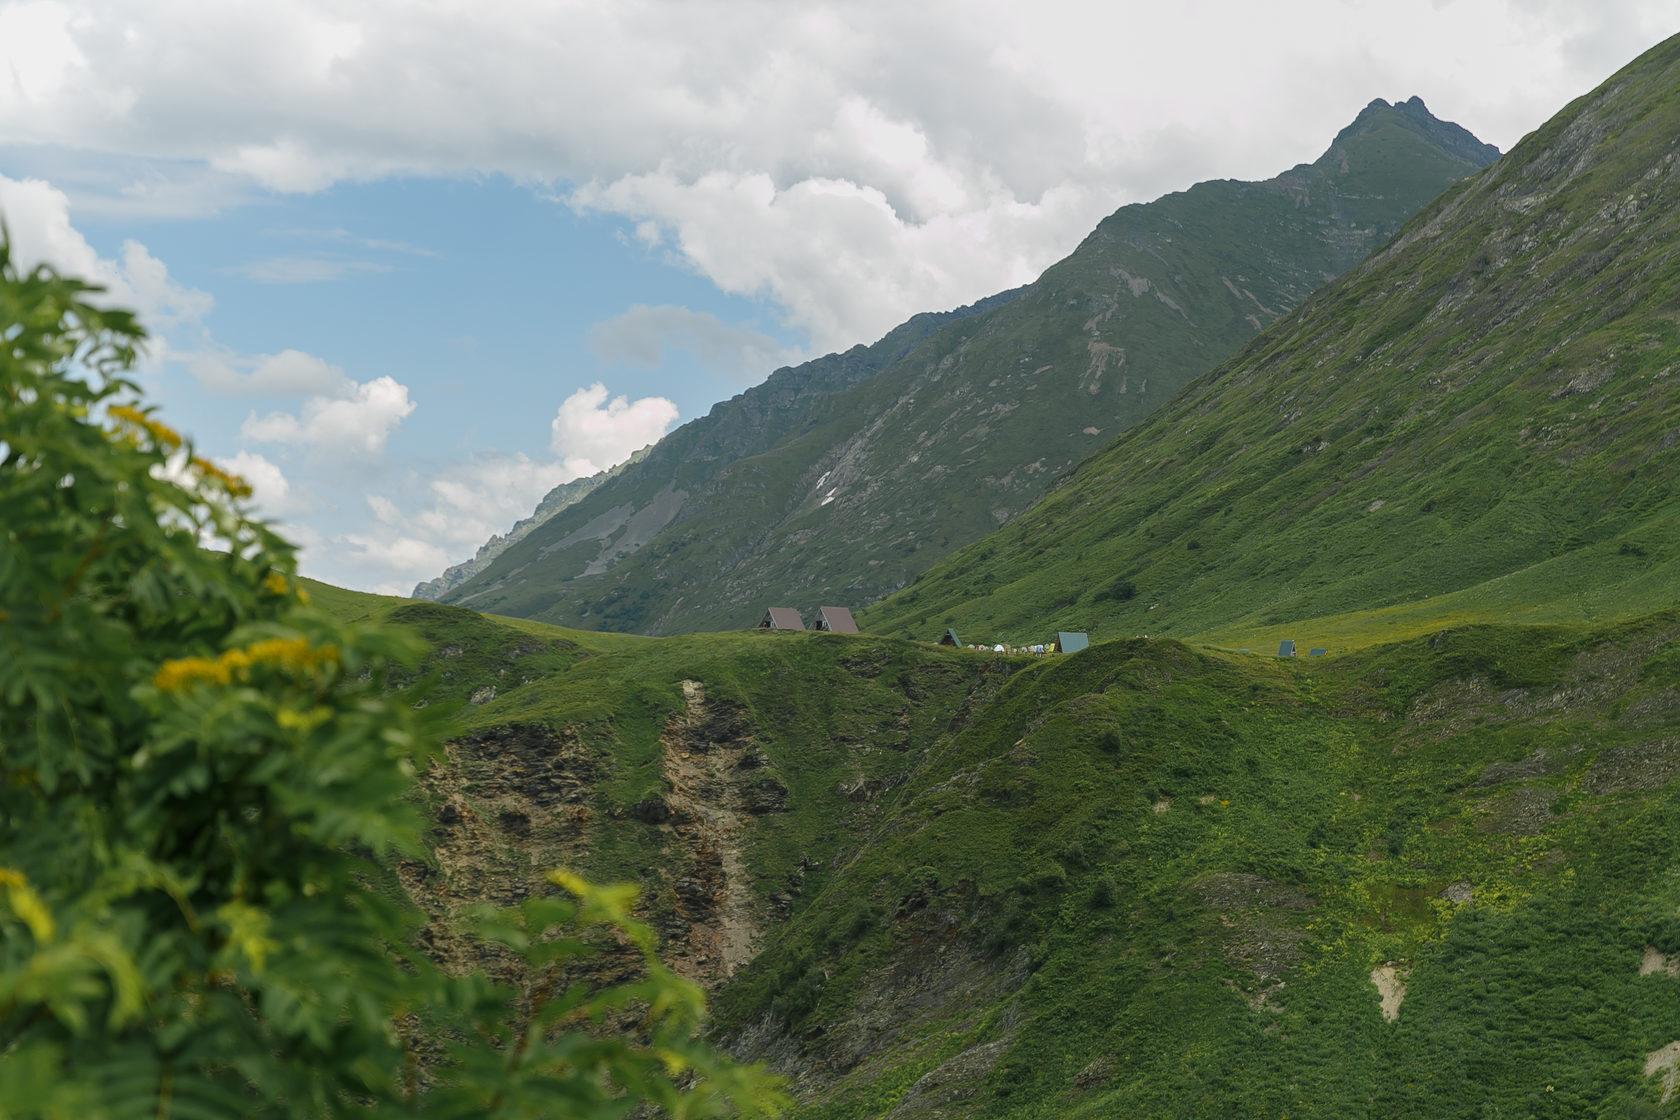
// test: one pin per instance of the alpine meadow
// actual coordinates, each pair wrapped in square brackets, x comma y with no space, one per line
[569,836]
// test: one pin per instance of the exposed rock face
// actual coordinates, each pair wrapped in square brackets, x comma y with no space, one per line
[1390,982]
[529,763]
[717,781]
[508,797]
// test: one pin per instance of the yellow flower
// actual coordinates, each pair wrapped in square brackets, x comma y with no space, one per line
[27,905]
[179,675]
[163,435]
[235,486]
[290,653]
[295,655]
[302,721]
[276,584]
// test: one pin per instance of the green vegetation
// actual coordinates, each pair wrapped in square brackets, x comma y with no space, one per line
[203,786]
[1432,874]
[1138,880]
[1183,918]
[842,480]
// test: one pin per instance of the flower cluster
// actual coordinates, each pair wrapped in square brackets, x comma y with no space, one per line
[294,655]
[163,435]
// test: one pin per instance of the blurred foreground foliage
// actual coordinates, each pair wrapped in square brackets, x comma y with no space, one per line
[201,779]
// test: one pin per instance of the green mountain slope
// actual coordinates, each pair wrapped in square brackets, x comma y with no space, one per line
[1476,423]
[1145,881]
[647,492]
[869,485]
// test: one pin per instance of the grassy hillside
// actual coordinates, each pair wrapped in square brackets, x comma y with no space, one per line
[1148,881]
[1144,879]
[1475,424]
[852,497]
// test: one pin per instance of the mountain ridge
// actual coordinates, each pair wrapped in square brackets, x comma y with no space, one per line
[964,429]
[1508,338]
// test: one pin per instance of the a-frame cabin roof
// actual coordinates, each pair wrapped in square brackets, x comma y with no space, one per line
[837,620]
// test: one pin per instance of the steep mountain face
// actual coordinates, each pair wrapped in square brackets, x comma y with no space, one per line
[557,499]
[854,492]
[656,480]
[1476,423]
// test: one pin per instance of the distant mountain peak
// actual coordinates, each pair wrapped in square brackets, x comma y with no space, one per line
[1454,139]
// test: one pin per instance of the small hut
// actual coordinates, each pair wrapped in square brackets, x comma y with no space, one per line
[1286,648]
[1316,653]
[836,620]
[951,639]
[1070,641]
[781,618]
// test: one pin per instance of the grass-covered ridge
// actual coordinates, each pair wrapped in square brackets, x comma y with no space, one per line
[1145,879]
[1154,881]
[1476,424]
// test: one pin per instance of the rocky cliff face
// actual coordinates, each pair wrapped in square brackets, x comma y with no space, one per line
[850,492]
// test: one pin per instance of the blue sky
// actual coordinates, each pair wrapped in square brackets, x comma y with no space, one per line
[411,266]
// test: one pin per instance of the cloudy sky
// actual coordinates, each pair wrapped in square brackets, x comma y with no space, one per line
[408,268]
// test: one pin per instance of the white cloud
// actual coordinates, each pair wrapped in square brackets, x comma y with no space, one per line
[37,218]
[288,373]
[842,262]
[354,425]
[344,236]
[304,269]
[416,527]
[642,334]
[38,51]
[931,153]
[589,433]
[269,487]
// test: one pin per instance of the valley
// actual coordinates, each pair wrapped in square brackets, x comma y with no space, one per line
[1429,872]
[1413,408]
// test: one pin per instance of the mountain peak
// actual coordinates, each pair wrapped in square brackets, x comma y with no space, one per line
[1379,118]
